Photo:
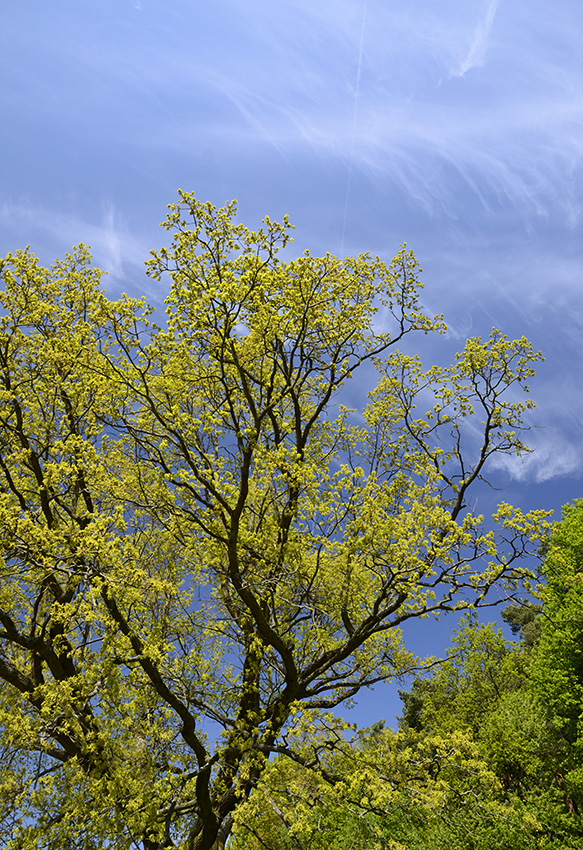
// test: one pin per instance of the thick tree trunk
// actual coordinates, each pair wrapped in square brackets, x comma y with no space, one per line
[201,841]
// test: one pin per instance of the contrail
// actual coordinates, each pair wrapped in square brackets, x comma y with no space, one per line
[354,120]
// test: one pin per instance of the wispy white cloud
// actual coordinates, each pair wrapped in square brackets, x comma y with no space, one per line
[114,248]
[476,53]
[555,455]
[287,75]
[512,135]
[112,233]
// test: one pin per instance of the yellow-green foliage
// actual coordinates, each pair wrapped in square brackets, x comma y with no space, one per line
[198,548]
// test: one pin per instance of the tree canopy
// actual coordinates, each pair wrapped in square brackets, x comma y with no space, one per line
[202,549]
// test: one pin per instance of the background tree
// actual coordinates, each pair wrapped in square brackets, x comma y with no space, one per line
[524,620]
[200,548]
[557,669]
[480,767]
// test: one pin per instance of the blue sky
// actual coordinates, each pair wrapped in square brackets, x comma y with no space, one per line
[456,126]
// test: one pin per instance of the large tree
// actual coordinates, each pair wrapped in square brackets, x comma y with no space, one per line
[200,547]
